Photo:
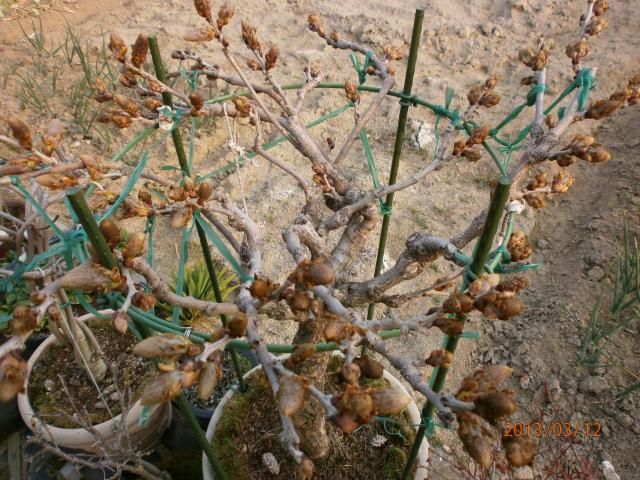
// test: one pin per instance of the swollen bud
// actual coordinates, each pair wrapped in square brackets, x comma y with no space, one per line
[290,395]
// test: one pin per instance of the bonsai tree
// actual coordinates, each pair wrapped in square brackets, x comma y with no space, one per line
[331,229]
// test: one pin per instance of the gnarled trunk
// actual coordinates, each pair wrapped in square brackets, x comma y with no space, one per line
[310,421]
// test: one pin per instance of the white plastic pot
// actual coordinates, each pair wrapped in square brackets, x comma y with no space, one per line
[141,437]
[412,410]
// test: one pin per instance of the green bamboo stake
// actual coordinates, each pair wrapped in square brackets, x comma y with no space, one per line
[218,295]
[88,222]
[166,98]
[397,148]
[481,254]
[185,408]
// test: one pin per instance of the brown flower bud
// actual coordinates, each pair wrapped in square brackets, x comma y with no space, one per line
[163,388]
[165,345]
[120,120]
[271,58]
[225,13]
[459,147]
[562,181]
[530,80]
[351,91]
[243,106]
[478,135]
[439,358]
[565,160]
[120,322]
[457,303]
[350,373]
[602,109]
[118,48]
[520,451]
[449,326]
[209,375]
[204,34]
[538,181]
[578,51]
[315,25]
[369,367]
[475,438]
[139,51]
[536,200]
[472,154]
[475,94]
[56,181]
[111,232]
[600,7]
[335,331]
[152,104]
[237,326]
[291,394]
[24,320]
[14,376]
[145,301]
[597,153]
[300,353]
[597,25]
[495,405]
[197,101]
[551,120]
[393,53]
[299,301]
[491,82]
[490,100]
[316,273]
[261,288]
[515,283]
[527,56]
[134,247]
[181,218]
[388,401]
[21,132]
[250,37]
[203,7]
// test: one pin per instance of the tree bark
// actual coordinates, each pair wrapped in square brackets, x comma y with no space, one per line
[310,421]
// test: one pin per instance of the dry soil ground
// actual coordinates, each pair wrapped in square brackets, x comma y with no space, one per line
[462,42]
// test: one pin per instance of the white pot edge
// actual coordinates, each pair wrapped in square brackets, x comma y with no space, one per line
[412,408]
[75,438]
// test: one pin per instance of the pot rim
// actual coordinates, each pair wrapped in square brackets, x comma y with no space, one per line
[67,437]
[412,409]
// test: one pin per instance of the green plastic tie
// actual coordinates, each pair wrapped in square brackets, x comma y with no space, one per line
[184,258]
[145,414]
[585,82]
[362,71]
[221,247]
[128,187]
[373,171]
[532,96]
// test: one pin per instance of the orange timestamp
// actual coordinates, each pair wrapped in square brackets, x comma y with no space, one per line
[553,428]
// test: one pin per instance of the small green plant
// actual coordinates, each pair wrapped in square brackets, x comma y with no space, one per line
[622,308]
[197,283]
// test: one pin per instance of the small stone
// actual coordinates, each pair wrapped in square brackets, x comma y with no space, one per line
[114,397]
[525,381]
[424,136]
[593,385]
[270,462]
[49,385]
[100,405]
[596,274]
[378,440]
[609,472]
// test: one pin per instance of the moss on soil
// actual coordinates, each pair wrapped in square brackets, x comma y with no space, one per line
[250,426]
